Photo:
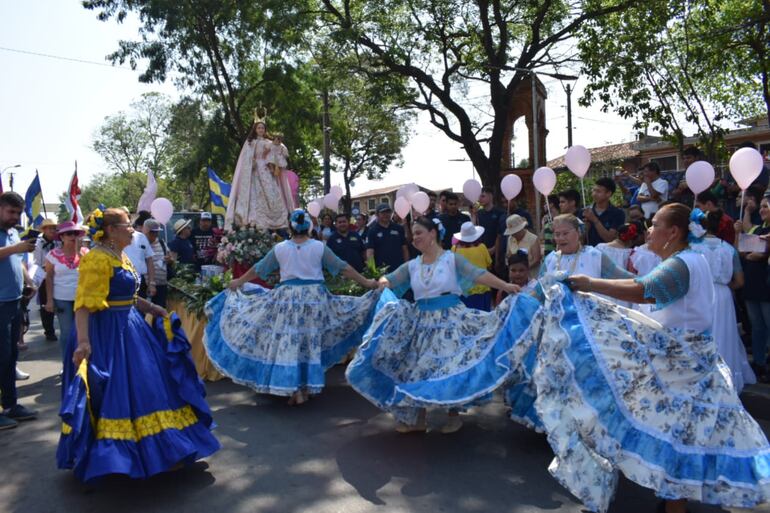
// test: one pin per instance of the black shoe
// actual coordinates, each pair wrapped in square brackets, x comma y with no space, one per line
[51,337]
[6,423]
[19,412]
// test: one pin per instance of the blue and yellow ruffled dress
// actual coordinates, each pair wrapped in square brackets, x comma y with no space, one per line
[136,407]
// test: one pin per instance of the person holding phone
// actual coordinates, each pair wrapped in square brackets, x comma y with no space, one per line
[11,288]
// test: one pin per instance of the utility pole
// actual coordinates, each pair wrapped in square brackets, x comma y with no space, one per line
[568,89]
[535,140]
[327,141]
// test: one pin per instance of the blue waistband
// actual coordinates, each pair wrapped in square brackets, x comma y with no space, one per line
[298,281]
[438,303]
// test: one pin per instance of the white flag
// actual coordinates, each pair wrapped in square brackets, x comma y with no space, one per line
[150,191]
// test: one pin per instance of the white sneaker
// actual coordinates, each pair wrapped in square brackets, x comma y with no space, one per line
[21,375]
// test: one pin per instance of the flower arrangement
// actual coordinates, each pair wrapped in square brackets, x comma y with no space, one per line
[244,245]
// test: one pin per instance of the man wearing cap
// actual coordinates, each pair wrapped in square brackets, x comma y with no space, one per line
[346,244]
[161,259]
[182,245]
[385,241]
[517,237]
[201,239]
[43,245]
[140,253]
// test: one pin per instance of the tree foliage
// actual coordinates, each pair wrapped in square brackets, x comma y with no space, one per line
[450,50]
[679,65]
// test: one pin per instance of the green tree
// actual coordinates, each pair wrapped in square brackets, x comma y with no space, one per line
[444,46]
[235,54]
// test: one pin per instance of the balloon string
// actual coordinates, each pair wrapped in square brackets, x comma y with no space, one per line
[583,189]
[548,207]
[743,198]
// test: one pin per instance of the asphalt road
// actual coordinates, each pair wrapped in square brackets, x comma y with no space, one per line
[335,454]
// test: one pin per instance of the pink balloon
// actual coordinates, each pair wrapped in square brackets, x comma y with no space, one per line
[420,202]
[511,186]
[162,210]
[745,166]
[402,207]
[472,190]
[331,202]
[407,191]
[699,176]
[578,160]
[337,191]
[544,180]
[314,208]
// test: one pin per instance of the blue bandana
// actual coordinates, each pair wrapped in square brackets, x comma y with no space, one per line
[300,221]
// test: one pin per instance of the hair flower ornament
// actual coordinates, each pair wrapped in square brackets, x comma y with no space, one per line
[697,231]
[95,223]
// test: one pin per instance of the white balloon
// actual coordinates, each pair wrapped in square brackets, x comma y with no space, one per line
[472,190]
[511,186]
[578,160]
[331,202]
[420,202]
[314,208]
[161,210]
[699,176]
[544,180]
[337,191]
[402,207]
[407,191]
[745,166]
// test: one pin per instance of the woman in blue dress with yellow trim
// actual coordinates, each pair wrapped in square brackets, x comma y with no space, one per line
[437,352]
[282,341]
[132,403]
[647,396]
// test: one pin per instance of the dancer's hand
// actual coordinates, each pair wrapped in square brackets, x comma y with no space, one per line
[82,352]
[158,311]
[579,283]
[511,288]
[235,285]
[383,283]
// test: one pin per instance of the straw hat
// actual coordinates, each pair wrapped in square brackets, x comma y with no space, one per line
[514,224]
[180,225]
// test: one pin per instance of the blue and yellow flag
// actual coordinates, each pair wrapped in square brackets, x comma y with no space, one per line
[219,192]
[34,202]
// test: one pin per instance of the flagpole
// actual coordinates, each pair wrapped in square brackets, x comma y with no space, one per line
[42,199]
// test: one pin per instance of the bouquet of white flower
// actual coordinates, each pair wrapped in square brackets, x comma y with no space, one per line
[244,245]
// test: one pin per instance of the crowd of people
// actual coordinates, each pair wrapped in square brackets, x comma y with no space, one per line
[470,303]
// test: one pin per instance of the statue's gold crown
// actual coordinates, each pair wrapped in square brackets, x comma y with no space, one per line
[257,118]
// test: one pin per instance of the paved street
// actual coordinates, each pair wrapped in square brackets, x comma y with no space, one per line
[337,454]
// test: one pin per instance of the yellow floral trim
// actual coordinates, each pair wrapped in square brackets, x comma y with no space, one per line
[66,429]
[96,270]
[148,425]
[167,328]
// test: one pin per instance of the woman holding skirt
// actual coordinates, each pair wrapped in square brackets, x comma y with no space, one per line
[132,403]
[648,397]
[436,352]
[281,341]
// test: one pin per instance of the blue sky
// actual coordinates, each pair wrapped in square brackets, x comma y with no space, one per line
[49,108]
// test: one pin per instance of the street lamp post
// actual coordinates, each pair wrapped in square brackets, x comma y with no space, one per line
[10,183]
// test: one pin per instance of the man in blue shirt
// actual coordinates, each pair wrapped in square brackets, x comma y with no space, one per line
[489,217]
[385,241]
[452,219]
[602,219]
[346,244]
[12,280]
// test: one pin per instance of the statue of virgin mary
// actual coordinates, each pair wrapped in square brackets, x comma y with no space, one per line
[256,196]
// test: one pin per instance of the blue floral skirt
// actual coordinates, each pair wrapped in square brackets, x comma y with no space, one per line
[438,353]
[618,393]
[137,406]
[283,340]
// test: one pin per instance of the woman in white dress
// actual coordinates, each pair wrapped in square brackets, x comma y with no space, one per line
[727,274]
[256,196]
[281,341]
[620,249]
[436,352]
[653,400]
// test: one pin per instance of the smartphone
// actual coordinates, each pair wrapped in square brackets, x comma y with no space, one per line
[30,234]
